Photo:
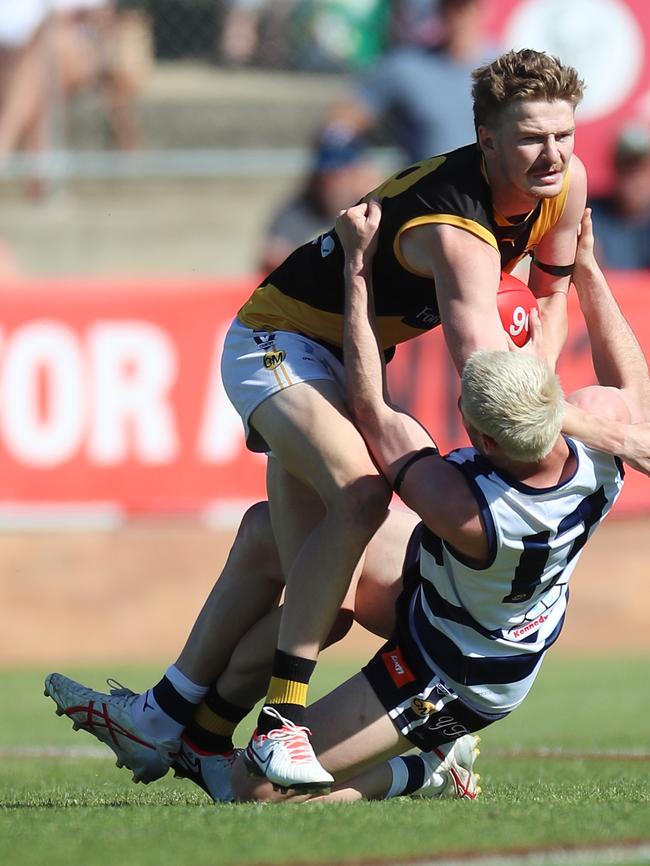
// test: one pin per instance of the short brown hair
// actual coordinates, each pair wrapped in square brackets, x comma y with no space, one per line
[522,75]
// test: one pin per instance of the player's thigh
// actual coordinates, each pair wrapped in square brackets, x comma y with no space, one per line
[380,581]
[289,393]
[312,435]
[350,729]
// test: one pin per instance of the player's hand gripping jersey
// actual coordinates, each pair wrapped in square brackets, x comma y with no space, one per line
[306,293]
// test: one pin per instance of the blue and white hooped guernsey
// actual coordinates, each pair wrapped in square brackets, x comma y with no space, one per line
[485,630]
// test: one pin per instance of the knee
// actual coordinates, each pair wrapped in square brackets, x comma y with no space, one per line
[342,625]
[255,533]
[364,503]
[256,521]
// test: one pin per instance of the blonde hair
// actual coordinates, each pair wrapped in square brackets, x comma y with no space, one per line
[522,75]
[515,399]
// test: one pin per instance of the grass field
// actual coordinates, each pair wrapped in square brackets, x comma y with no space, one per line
[568,770]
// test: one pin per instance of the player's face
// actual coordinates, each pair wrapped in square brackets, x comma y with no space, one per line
[531,146]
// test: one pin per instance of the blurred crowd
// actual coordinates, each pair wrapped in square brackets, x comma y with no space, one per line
[51,49]
[409,63]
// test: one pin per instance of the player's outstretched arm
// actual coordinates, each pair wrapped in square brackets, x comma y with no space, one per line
[618,359]
[391,435]
[436,491]
[612,416]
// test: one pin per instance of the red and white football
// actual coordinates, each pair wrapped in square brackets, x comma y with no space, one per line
[514,303]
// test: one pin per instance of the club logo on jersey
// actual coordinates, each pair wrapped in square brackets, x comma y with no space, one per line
[274,359]
[527,628]
[399,672]
[326,245]
[422,708]
[424,318]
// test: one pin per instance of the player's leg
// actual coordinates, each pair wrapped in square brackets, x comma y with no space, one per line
[359,743]
[203,757]
[249,585]
[380,581]
[312,437]
[317,445]
[144,729]
[349,729]
[360,736]
[248,588]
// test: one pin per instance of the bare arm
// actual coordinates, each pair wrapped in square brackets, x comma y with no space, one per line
[435,490]
[596,413]
[618,359]
[466,271]
[558,248]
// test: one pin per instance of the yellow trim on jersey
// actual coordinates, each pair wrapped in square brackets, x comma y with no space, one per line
[551,211]
[405,178]
[468,225]
[269,310]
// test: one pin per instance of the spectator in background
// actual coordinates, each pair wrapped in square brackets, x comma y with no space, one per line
[22,75]
[622,219]
[240,31]
[421,93]
[52,49]
[340,174]
[314,35]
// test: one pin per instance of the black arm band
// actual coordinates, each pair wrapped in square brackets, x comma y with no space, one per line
[554,270]
[425,452]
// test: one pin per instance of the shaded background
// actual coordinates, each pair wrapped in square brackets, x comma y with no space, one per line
[222,104]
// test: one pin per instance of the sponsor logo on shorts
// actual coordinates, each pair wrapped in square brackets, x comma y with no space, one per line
[523,630]
[399,671]
[422,708]
[274,359]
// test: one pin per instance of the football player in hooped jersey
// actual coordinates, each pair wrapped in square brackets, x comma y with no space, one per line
[450,225]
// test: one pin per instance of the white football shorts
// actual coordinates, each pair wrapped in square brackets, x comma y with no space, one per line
[256,364]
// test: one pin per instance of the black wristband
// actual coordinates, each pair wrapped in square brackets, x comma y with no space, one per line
[554,270]
[425,452]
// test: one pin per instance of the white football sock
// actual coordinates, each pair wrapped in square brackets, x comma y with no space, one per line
[412,774]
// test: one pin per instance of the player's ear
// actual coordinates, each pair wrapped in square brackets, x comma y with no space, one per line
[485,137]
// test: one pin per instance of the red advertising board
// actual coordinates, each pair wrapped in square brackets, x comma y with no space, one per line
[110,394]
[607,41]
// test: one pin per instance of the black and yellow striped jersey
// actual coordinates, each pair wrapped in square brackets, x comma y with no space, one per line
[306,292]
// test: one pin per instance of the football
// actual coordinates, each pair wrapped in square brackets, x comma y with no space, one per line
[514,303]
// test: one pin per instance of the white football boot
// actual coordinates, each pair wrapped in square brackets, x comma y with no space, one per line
[456,766]
[209,771]
[285,757]
[108,718]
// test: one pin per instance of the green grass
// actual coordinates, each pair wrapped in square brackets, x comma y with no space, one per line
[68,810]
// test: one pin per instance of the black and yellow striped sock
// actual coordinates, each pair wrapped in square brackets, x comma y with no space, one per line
[214,723]
[287,691]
